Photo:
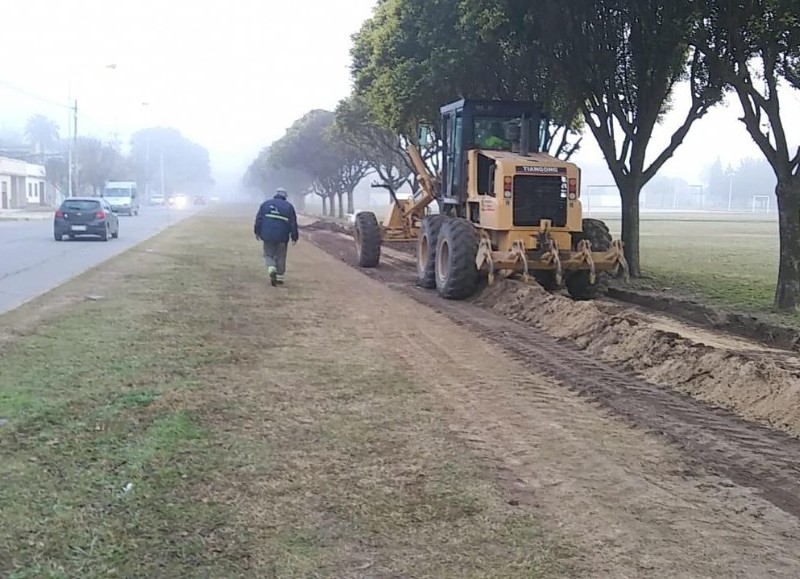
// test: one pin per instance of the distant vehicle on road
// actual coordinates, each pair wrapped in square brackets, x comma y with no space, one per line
[199,200]
[178,201]
[157,199]
[85,217]
[122,196]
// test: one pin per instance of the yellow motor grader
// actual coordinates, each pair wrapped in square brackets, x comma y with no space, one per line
[506,208]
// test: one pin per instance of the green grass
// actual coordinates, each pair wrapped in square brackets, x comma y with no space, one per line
[728,261]
[97,478]
[209,426]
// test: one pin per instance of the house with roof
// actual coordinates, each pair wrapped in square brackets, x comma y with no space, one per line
[22,184]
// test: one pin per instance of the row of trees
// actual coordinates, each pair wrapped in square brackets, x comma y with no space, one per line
[97,162]
[612,66]
[329,153]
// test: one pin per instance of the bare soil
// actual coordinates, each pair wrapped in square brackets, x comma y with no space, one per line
[678,496]
[771,333]
[757,383]
[762,328]
[754,380]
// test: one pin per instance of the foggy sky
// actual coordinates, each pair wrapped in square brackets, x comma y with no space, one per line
[233,75]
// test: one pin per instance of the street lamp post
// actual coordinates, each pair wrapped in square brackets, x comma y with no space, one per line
[147,162]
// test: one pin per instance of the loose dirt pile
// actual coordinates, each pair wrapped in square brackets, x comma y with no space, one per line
[758,384]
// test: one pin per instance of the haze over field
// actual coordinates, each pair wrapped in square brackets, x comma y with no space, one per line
[233,76]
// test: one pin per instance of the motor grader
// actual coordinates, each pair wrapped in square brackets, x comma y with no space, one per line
[506,208]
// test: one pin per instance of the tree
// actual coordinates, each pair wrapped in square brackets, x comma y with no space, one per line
[261,175]
[413,56]
[312,146]
[379,146]
[56,168]
[97,162]
[42,133]
[185,163]
[621,60]
[752,47]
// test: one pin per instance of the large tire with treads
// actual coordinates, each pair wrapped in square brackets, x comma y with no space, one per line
[456,251]
[426,250]
[368,239]
[577,282]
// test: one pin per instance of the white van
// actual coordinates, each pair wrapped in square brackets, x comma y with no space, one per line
[122,197]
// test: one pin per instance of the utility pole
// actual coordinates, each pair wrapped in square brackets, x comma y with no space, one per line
[730,192]
[147,161]
[75,144]
[72,126]
[161,162]
[69,148]
[73,138]
[147,169]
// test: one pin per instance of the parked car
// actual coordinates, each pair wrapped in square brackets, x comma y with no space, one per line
[85,216]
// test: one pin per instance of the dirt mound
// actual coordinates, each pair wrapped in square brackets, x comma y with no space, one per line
[757,384]
[326,225]
[759,328]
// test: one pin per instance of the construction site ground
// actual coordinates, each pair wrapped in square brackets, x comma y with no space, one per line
[350,424]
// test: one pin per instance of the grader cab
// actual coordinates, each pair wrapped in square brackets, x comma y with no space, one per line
[506,208]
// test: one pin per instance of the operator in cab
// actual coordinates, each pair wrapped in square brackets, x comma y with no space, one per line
[275,225]
[495,138]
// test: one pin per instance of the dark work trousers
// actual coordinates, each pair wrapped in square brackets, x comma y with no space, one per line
[275,256]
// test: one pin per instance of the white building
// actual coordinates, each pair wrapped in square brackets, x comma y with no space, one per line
[22,184]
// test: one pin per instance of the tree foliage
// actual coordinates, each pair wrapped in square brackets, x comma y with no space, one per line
[312,145]
[751,47]
[42,133]
[97,163]
[265,178]
[413,56]
[185,163]
[621,61]
[377,145]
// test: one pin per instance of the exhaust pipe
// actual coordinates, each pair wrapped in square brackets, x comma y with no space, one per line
[525,136]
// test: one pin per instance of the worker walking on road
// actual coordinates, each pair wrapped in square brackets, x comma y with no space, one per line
[276,223]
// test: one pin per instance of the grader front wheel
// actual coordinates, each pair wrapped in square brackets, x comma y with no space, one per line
[426,250]
[579,283]
[368,239]
[456,252]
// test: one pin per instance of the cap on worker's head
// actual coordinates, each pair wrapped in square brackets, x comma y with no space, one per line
[280,193]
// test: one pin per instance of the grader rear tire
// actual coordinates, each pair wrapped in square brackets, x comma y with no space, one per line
[577,282]
[368,239]
[456,251]
[426,250]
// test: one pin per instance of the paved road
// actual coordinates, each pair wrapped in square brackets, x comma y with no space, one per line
[32,262]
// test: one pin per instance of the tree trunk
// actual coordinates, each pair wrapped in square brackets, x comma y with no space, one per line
[787,293]
[350,205]
[332,206]
[324,205]
[629,193]
[341,205]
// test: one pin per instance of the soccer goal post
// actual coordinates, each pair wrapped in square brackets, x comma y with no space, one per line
[762,203]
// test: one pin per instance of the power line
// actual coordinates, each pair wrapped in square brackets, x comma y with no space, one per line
[33,95]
